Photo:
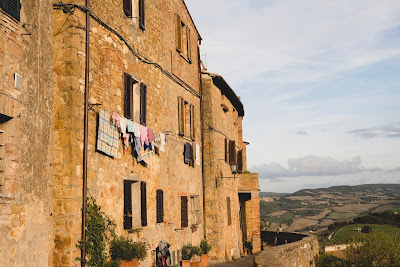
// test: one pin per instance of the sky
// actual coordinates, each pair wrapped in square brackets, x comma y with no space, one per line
[320,85]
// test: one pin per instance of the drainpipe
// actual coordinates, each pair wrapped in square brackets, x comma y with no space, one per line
[85,134]
[202,143]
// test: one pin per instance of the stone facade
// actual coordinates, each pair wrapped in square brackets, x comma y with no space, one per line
[110,58]
[25,136]
[42,132]
[231,200]
[302,253]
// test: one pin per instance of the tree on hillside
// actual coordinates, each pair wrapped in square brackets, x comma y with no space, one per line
[375,249]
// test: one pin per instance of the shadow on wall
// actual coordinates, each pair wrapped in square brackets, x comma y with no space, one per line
[270,237]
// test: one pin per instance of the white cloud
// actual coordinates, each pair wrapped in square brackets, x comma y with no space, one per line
[312,166]
[299,41]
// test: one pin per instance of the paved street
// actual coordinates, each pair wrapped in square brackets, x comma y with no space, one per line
[247,261]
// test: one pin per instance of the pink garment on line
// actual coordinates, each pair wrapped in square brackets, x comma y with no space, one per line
[150,135]
[143,135]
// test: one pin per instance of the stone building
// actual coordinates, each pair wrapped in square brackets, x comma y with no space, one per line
[144,66]
[231,192]
[144,77]
[25,133]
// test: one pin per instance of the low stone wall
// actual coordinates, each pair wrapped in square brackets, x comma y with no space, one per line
[297,254]
[282,237]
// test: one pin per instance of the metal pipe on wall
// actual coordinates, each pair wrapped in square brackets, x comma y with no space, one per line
[85,134]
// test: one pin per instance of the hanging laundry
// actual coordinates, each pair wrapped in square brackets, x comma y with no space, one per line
[145,152]
[130,126]
[150,137]
[123,122]
[143,135]
[136,129]
[137,145]
[192,155]
[197,154]
[187,150]
[115,119]
[108,135]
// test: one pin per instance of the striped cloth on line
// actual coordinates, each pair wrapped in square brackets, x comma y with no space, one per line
[108,135]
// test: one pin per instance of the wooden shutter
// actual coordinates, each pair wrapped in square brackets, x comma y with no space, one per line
[143,104]
[226,143]
[189,54]
[127,205]
[181,115]
[192,123]
[128,96]
[240,161]
[228,205]
[184,212]
[232,152]
[141,15]
[160,206]
[143,203]
[178,33]
[12,7]
[128,8]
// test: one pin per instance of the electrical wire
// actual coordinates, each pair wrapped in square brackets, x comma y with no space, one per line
[66,8]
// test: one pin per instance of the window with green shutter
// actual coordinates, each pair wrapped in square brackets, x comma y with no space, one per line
[11,7]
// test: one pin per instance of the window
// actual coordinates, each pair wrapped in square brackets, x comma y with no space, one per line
[143,103]
[228,206]
[240,161]
[186,119]
[160,206]
[226,145]
[135,100]
[135,204]
[182,38]
[195,212]
[184,211]
[129,12]
[141,15]
[232,152]
[12,7]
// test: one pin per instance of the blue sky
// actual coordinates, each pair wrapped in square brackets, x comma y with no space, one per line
[320,83]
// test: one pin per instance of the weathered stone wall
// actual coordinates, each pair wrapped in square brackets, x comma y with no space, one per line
[248,182]
[219,180]
[110,58]
[25,184]
[297,254]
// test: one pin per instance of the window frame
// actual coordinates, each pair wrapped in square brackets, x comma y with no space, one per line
[182,32]
[128,205]
[15,13]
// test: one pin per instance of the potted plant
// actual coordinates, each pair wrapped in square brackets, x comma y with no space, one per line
[186,251]
[205,248]
[127,251]
[196,251]
[249,247]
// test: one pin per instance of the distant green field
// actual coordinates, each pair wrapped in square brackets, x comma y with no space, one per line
[395,209]
[347,232]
